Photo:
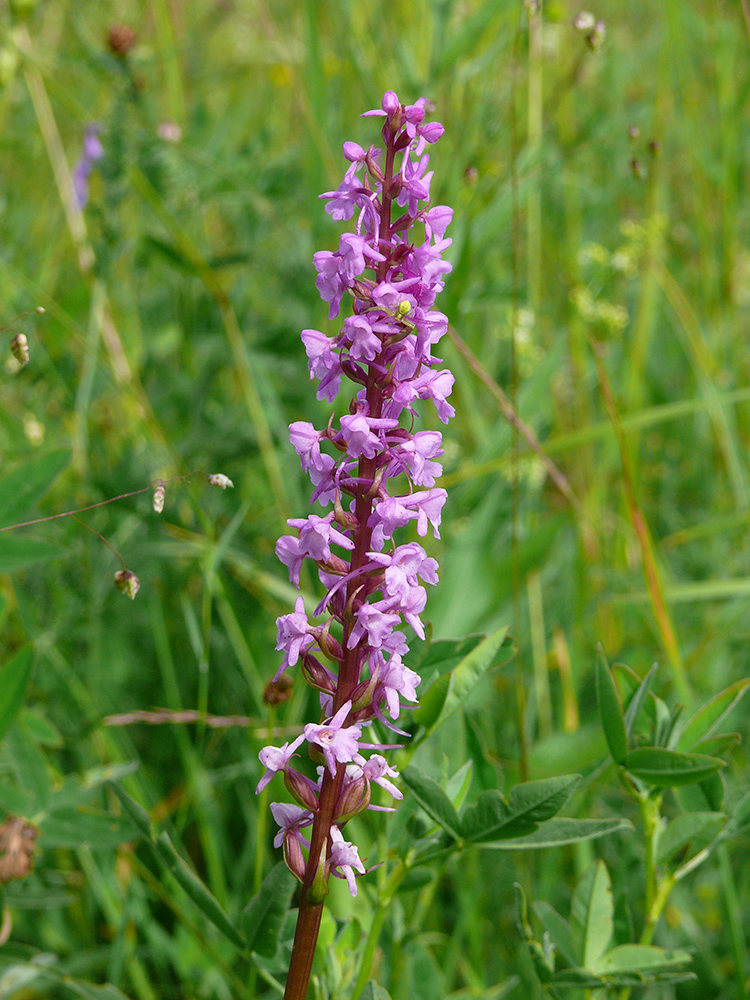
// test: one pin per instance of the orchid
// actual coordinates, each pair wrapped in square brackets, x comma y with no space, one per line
[366,463]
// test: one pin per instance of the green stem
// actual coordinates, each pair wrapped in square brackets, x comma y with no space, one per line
[734,919]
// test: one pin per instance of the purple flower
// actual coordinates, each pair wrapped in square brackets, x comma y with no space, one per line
[276,759]
[392,273]
[375,769]
[293,633]
[337,743]
[291,819]
[346,857]
[91,152]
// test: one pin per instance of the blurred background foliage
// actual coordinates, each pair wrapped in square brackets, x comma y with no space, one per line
[600,249]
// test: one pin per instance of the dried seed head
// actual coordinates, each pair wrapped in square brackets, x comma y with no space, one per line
[120,40]
[159,492]
[17,841]
[19,347]
[276,692]
[217,479]
[127,583]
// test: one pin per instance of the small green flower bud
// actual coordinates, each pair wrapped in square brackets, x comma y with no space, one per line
[362,694]
[127,583]
[319,888]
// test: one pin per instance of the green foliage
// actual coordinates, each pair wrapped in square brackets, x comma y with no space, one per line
[617,229]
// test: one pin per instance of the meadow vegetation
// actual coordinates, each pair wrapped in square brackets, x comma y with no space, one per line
[597,471]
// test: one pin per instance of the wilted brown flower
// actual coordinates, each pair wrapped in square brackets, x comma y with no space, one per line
[17,842]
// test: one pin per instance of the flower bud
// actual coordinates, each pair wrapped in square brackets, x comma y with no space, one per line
[301,789]
[343,517]
[362,694]
[319,888]
[159,492]
[217,479]
[354,799]
[127,583]
[330,647]
[294,859]
[19,347]
[316,675]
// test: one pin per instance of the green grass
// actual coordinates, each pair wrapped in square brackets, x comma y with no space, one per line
[171,343]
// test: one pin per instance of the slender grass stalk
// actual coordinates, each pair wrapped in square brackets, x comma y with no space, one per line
[535,117]
[244,368]
[643,535]
[116,913]
[539,655]
[169,57]
[735,921]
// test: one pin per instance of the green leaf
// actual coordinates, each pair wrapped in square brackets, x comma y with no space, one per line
[458,785]
[196,890]
[416,878]
[668,769]
[585,979]
[443,655]
[558,929]
[14,679]
[687,835]
[30,767]
[70,827]
[374,992]
[592,915]
[166,855]
[451,689]
[40,728]
[92,991]
[559,831]
[134,810]
[717,746]
[739,821]
[21,489]
[610,711]
[707,718]
[264,915]
[706,796]
[542,956]
[17,552]
[643,958]
[491,818]
[631,715]
[432,799]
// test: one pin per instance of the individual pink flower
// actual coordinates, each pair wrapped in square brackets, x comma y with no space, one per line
[338,743]
[275,759]
[345,856]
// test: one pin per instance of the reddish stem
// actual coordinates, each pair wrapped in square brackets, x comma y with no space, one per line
[309,915]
